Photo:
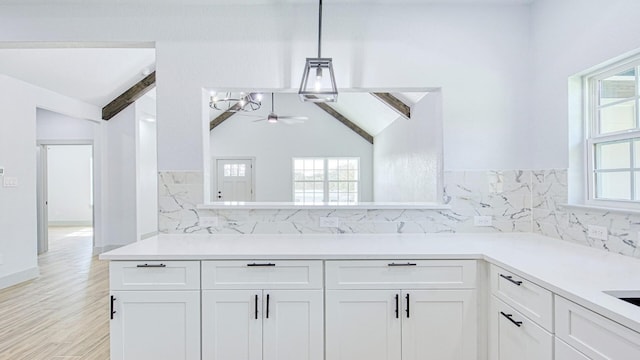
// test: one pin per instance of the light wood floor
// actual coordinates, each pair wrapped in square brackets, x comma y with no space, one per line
[63,314]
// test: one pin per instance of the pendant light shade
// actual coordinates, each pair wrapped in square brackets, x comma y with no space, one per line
[318,80]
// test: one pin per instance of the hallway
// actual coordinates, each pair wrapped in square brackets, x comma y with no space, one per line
[63,314]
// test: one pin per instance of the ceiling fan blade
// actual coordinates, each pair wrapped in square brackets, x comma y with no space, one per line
[263,119]
[293,117]
[290,121]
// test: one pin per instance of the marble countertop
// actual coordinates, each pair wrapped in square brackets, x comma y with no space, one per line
[323,205]
[576,272]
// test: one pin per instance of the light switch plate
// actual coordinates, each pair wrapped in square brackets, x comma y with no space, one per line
[10,181]
[482,221]
[329,221]
[597,232]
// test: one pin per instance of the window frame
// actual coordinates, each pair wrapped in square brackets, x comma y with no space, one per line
[325,180]
[592,136]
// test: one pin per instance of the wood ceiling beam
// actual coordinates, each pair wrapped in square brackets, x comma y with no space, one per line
[348,123]
[394,103]
[129,97]
[224,116]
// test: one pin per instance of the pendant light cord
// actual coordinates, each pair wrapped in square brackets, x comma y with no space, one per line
[319,29]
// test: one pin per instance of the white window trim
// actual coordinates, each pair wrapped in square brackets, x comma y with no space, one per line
[590,124]
[326,175]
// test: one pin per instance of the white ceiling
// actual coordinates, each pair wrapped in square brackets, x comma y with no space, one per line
[96,75]
[362,108]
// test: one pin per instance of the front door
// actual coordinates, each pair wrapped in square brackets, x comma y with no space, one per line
[234,180]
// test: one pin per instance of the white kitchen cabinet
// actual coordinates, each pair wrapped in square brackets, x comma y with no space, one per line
[439,324]
[243,318]
[396,323]
[155,310]
[513,336]
[566,352]
[363,324]
[595,336]
[152,325]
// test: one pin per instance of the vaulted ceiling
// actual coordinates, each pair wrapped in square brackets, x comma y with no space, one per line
[93,75]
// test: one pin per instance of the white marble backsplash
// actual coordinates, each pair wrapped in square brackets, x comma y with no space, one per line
[516,200]
[550,218]
[503,195]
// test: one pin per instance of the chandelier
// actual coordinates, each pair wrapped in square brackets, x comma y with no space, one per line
[235,102]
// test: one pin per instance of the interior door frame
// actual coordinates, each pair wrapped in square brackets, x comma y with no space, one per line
[214,173]
[42,192]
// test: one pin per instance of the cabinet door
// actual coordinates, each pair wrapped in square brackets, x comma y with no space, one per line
[362,324]
[439,324]
[151,325]
[232,324]
[515,337]
[293,325]
[566,352]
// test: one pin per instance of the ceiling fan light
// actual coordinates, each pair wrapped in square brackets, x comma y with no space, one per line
[318,81]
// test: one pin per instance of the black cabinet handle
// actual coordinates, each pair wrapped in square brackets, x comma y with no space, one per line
[510,279]
[397,306]
[256,306]
[113,300]
[267,306]
[151,266]
[509,316]
[404,264]
[254,264]
[408,314]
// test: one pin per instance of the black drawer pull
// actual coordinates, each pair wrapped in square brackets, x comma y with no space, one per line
[151,266]
[509,316]
[397,306]
[113,300]
[254,264]
[510,279]
[256,306]
[408,314]
[403,264]
[267,306]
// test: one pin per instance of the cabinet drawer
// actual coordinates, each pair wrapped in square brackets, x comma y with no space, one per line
[566,352]
[594,335]
[401,274]
[154,275]
[263,274]
[514,336]
[531,300]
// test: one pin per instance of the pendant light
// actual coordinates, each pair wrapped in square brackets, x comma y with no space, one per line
[318,81]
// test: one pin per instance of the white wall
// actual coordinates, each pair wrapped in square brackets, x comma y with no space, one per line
[274,145]
[147,167]
[121,197]
[407,155]
[69,181]
[569,37]
[478,55]
[18,103]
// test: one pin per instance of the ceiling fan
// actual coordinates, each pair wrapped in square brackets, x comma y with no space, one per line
[274,118]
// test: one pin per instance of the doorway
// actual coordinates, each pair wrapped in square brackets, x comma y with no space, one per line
[65,195]
[234,179]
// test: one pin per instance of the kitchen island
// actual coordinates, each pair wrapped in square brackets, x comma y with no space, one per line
[546,286]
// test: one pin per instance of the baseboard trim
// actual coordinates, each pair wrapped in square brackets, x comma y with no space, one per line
[70,223]
[148,235]
[101,249]
[20,276]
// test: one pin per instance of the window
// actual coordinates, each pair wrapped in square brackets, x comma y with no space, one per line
[613,136]
[325,180]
